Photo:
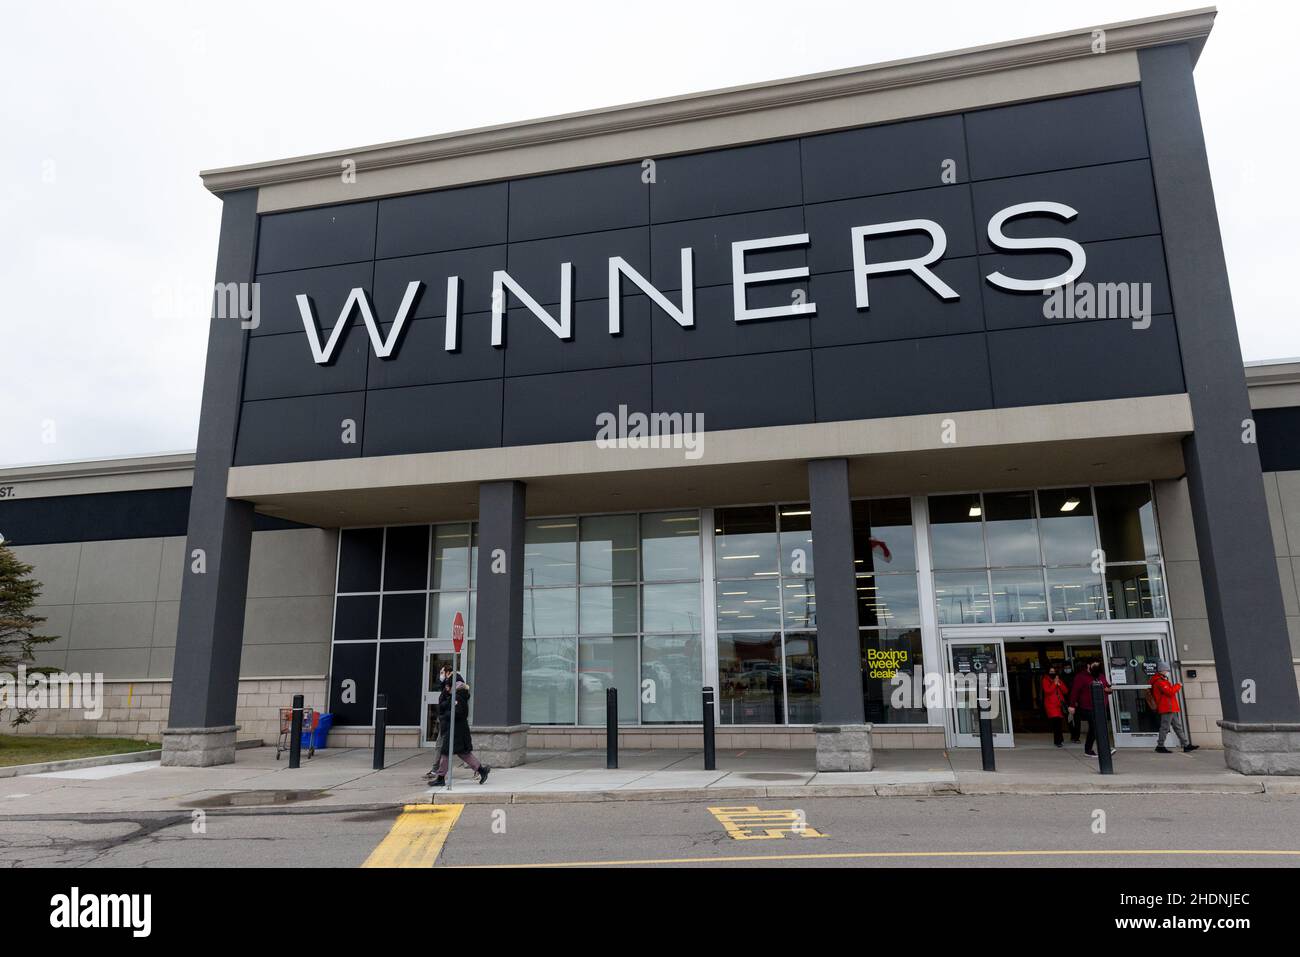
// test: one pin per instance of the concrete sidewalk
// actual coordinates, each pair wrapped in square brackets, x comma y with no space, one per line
[343,778]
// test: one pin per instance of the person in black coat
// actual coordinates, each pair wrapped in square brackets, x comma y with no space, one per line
[464,744]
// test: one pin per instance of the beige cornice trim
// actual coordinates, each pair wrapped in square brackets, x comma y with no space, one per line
[1191,27]
[98,468]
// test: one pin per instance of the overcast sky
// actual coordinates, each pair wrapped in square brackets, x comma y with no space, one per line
[109,111]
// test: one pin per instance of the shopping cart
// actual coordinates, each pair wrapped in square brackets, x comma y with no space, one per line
[310,722]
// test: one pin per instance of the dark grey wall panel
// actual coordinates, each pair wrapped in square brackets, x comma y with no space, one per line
[716,332]
[726,181]
[711,239]
[354,663]
[422,359]
[830,227]
[433,418]
[1083,361]
[882,159]
[563,407]
[739,392]
[299,429]
[1278,433]
[400,667]
[105,516]
[474,267]
[902,306]
[281,366]
[328,288]
[444,219]
[1113,202]
[536,265]
[316,237]
[532,348]
[1082,130]
[879,379]
[1126,261]
[562,204]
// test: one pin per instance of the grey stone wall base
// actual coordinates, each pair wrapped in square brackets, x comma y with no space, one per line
[501,746]
[1261,748]
[844,747]
[198,747]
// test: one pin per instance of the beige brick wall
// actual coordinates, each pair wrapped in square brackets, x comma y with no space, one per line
[730,738]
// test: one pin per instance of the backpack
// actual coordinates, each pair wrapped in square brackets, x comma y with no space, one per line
[1150,699]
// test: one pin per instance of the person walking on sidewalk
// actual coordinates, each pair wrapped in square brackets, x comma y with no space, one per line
[1081,702]
[1165,693]
[464,743]
[1054,697]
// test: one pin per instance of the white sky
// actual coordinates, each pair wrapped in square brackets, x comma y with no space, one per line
[109,110]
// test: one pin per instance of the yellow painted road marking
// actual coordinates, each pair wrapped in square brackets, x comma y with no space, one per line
[860,855]
[416,837]
[750,823]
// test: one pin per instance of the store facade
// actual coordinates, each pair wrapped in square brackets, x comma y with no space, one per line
[945,356]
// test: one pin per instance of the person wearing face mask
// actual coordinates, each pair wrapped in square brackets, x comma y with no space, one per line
[1055,694]
[1081,702]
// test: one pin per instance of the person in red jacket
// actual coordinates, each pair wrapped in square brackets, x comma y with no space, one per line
[1166,694]
[1081,702]
[1054,695]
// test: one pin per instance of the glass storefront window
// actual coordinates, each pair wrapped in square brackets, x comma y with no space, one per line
[451,556]
[1136,591]
[882,535]
[886,653]
[608,610]
[745,542]
[1066,525]
[749,604]
[1126,520]
[607,663]
[550,680]
[1011,529]
[608,549]
[1075,594]
[671,679]
[802,681]
[749,678]
[550,611]
[957,531]
[670,546]
[796,541]
[1018,595]
[962,598]
[671,608]
[550,552]
[888,601]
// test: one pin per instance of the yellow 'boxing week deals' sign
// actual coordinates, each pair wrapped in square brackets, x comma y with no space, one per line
[886,662]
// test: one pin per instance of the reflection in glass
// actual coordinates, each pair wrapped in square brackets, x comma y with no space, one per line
[671,608]
[550,611]
[451,556]
[962,598]
[1075,594]
[1066,525]
[749,679]
[608,550]
[956,531]
[802,684]
[1018,595]
[670,546]
[1010,528]
[672,666]
[607,663]
[550,551]
[608,610]
[1136,591]
[796,541]
[799,600]
[1126,519]
[882,535]
[549,680]
[889,600]
[745,542]
[749,604]
[442,612]
[885,653]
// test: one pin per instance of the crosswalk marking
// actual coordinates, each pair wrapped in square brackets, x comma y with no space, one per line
[417,836]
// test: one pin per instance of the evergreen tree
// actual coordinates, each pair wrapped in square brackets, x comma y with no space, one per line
[18,593]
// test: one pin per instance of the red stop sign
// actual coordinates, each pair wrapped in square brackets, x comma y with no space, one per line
[458,632]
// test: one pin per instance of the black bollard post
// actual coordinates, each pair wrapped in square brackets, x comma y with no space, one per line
[710,754]
[381,730]
[986,734]
[1104,762]
[295,733]
[611,728]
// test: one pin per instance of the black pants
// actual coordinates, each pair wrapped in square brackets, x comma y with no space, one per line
[1090,744]
[1058,730]
[1074,727]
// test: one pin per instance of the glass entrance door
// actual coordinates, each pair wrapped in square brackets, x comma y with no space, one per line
[1130,662]
[976,668]
[436,654]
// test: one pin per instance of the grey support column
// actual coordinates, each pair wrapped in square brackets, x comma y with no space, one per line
[501,738]
[1252,652]
[843,737]
[205,678]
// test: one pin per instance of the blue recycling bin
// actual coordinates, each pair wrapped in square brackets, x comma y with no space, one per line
[316,740]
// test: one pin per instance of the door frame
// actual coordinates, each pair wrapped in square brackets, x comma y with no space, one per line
[1001,739]
[1130,739]
[432,646]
